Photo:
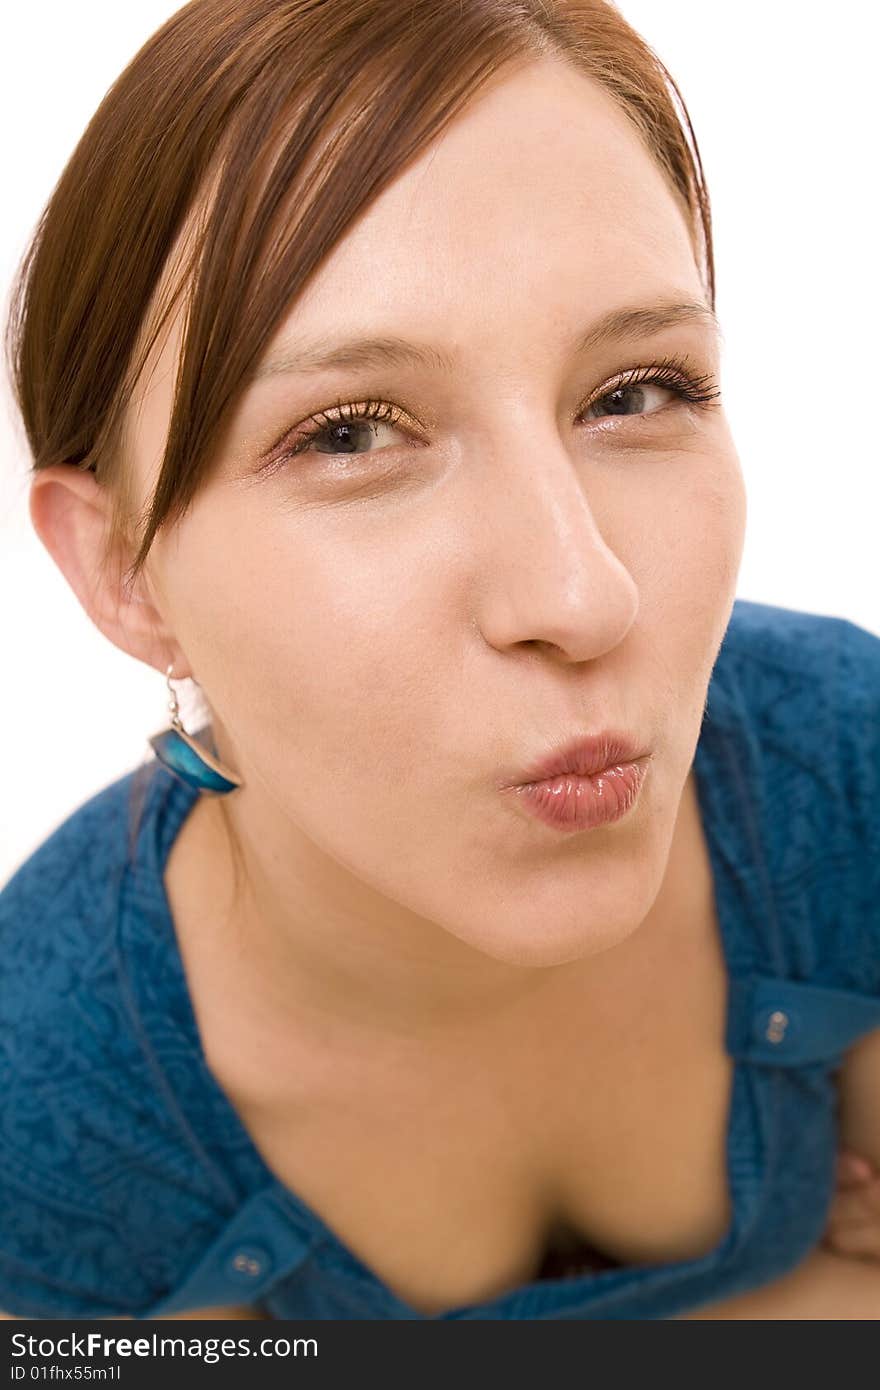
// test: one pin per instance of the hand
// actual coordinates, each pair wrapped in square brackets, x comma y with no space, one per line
[853,1227]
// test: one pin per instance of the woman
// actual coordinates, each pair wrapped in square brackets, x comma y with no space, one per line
[494,948]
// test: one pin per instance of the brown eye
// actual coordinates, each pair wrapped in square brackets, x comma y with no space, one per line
[343,431]
[629,400]
[633,393]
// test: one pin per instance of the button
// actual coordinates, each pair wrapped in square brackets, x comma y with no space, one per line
[776,1024]
[247,1263]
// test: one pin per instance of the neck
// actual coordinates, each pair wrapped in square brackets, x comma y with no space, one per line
[297,936]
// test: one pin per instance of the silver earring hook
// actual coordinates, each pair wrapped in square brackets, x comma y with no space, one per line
[187,757]
[173,708]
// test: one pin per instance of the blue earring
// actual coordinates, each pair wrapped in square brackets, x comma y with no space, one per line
[189,760]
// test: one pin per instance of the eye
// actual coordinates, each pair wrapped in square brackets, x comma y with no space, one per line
[349,429]
[346,429]
[629,394]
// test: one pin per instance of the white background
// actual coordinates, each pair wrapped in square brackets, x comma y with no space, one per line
[782,96]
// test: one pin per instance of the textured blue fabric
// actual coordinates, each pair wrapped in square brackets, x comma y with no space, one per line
[128,1185]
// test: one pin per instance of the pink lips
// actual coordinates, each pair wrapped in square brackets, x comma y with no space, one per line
[589,782]
[583,756]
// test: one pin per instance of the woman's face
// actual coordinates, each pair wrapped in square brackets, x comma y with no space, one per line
[404,614]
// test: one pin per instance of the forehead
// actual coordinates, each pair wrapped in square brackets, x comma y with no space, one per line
[539,201]
[539,193]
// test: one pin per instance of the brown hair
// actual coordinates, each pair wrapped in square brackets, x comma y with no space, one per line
[223,139]
[245,114]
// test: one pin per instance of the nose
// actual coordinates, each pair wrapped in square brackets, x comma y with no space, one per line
[548,576]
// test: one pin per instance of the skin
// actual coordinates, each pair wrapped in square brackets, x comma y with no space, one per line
[854,1218]
[379,648]
[377,659]
[853,1230]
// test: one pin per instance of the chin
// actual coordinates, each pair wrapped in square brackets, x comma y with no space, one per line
[538,946]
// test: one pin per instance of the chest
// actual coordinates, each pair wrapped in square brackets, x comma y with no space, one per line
[581,1138]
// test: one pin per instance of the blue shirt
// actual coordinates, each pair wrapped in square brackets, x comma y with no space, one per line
[128,1184]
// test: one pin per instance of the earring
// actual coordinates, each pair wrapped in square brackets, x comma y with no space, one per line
[190,761]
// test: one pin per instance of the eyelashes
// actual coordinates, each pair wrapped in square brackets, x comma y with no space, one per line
[339,422]
[675,373]
[344,414]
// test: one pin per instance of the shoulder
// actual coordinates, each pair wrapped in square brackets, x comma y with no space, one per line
[769,637]
[71,875]
[802,691]
[810,679]
[810,685]
[91,1163]
[57,918]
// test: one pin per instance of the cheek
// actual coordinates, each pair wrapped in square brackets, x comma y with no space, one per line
[685,559]
[721,506]
[314,651]
[696,534]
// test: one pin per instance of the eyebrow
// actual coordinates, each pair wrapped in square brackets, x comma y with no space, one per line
[619,325]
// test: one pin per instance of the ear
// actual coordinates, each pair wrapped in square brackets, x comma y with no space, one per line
[71,513]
